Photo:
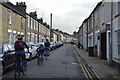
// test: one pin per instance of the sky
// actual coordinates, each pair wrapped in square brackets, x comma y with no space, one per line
[67,15]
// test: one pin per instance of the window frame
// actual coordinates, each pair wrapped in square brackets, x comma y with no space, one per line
[118,43]
[9,16]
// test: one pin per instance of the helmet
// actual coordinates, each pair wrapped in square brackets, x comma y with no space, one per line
[20,38]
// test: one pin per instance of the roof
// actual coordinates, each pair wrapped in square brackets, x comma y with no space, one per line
[9,5]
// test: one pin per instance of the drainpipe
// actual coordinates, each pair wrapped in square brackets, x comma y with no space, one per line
[25,32]
[110,47]
[87,35]
[38,33]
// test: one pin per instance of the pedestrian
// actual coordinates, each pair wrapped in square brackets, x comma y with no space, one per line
[47,46]
[19,46]
[40,53]
[79,45]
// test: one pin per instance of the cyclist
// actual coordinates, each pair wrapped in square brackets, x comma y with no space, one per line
[47,46]
[40,53]
[20,53]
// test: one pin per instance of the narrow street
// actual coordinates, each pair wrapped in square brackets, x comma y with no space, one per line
[62,63]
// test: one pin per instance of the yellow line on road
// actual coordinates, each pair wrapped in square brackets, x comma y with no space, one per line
[84,68]
[80,64]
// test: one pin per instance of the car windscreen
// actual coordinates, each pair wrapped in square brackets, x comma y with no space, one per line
[10,47]
[28,44]
[37,44]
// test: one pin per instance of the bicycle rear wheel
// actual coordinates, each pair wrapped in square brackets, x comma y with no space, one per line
[38,61]
[16,72]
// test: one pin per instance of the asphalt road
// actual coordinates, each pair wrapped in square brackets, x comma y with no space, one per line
[61,63]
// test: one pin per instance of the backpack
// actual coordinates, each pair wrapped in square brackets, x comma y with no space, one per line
[41,48]
[47,44]
[19,45]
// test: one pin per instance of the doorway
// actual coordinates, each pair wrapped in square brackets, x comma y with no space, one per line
[103,46]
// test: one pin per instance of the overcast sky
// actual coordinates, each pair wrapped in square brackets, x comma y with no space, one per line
[67,14]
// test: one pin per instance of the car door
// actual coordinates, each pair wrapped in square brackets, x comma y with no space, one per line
[1,52]
[33,50]
[6,57]
[11,54]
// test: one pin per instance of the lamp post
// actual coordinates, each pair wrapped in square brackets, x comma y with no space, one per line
[51,34]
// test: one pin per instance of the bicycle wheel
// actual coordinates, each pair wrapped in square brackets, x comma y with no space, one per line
[38,60]
[23,72]
[16,72]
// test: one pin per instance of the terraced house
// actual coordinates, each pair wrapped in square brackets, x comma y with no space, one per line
[102,29]
[32,27]
[12,22]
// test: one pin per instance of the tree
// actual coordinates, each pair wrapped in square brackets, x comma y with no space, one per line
[74,33]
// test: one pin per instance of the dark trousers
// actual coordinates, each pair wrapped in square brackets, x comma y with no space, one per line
[40,56]
[24,61]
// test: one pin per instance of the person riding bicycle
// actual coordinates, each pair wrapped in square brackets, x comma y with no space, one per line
[47,46]
[19,46]
[40,53]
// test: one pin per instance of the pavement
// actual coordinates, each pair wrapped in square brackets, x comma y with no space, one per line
[98,66]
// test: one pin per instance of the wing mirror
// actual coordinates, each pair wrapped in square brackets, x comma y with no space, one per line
[32,46]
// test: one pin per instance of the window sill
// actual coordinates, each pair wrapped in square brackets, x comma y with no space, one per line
[117,15]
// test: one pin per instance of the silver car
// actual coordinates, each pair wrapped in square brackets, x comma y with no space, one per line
[32,51]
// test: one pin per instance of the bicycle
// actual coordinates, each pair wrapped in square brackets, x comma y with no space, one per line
[40,57]
[46,53]
[18,69]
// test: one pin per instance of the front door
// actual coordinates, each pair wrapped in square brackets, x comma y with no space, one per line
[103,46]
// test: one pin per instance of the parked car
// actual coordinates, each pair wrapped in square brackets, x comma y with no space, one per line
[7,55]
[52,46]
[37,45]
[32,51]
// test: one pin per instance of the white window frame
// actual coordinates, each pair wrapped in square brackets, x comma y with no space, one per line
[92,21]
[14,37]
[119,7]
[9,16]
[103,14]
[32,37]
[34,25]
[9,37]
[31,23]
[28,22]
[118,43]
[28,37]
[96,18]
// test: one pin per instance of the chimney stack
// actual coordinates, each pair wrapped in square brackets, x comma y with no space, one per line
[22,6]
[33,14]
